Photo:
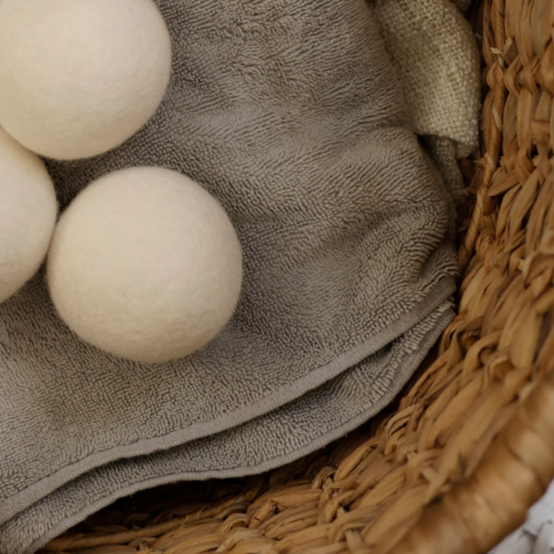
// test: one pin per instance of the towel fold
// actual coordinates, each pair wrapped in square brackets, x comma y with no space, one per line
[296,429]
[300,118]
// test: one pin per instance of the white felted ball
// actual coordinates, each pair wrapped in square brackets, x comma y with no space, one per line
[145,264]
[28,211]
[79,77]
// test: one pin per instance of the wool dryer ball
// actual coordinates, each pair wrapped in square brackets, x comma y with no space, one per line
[79,77]
[28,211]
[145,264]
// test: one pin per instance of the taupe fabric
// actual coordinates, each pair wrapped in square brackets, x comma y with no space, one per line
[294,116]
[434,50]
[274,439]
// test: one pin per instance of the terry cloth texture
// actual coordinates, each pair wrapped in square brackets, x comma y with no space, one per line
[277,438]
[296,116]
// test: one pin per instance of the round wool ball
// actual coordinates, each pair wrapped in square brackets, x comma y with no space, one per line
[28,211]
[79,77]
[145,264]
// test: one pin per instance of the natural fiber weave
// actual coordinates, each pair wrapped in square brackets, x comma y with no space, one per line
[471,446]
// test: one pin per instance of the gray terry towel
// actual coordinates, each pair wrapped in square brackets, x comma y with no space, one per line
[293,115]
[298,428]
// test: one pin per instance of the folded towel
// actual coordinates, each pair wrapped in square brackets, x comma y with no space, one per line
[274,439]
[293,115]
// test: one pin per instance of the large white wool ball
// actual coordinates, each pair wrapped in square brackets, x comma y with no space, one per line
[145,264]
[79,77]
[28,211]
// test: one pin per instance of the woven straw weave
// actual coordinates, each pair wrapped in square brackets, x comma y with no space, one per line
[470,446]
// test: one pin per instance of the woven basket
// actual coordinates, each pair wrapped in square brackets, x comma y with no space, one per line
[455,465]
